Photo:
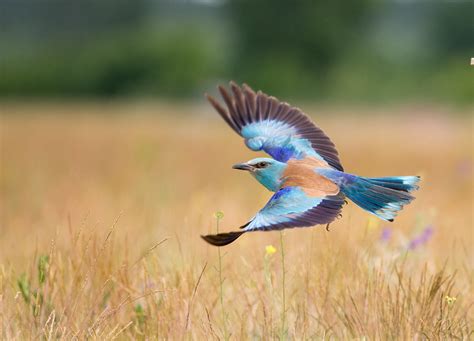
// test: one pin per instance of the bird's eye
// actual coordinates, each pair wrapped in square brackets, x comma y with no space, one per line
[261,165]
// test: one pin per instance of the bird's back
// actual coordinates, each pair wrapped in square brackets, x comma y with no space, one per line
[301,173]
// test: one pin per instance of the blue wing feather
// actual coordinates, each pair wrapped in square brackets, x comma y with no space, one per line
[282,131]
[278,139]
[292,207]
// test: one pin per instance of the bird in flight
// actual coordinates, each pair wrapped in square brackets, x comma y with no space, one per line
[305,172]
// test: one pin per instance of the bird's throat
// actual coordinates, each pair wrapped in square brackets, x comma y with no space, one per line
[272,179]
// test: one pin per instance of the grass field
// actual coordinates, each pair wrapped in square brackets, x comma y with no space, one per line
[102,206]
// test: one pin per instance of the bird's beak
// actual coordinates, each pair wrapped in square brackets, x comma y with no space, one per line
[243,166]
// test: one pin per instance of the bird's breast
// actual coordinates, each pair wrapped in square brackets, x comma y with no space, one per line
[301,173]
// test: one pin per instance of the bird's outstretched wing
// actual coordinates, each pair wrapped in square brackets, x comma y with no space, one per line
[289,207]
[275,127]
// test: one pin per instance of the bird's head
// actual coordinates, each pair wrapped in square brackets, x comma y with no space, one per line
[267,171]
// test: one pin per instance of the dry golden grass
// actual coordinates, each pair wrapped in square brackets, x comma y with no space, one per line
[102,207]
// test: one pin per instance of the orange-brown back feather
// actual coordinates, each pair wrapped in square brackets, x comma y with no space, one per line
[301,173]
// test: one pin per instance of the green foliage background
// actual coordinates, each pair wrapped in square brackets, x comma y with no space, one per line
[382,51]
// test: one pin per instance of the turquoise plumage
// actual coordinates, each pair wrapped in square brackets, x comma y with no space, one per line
[305,172]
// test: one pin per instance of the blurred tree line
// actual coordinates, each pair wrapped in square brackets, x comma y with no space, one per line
[357,50]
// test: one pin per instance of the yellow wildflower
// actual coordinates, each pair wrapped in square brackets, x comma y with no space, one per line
[450,300]
[270,250]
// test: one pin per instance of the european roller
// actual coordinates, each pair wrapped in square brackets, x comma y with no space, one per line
[305,173]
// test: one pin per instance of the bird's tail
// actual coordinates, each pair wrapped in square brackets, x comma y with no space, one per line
[383,197]
[222,239]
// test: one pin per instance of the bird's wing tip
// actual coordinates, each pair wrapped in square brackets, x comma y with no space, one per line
[222,239]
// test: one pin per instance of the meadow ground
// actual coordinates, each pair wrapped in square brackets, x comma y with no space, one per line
[102,207]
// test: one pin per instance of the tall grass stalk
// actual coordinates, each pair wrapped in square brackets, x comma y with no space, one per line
[219,216]
[283,290]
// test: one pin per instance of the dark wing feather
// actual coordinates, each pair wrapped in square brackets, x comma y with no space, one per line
[222,239]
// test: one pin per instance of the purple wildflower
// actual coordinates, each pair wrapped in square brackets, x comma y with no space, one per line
[386,235]
[422,238]
[464,168]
